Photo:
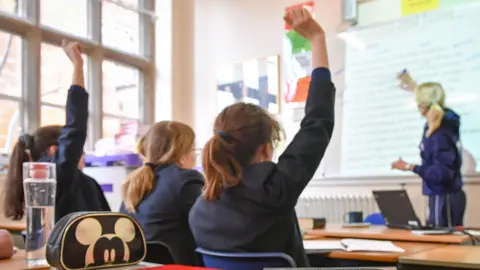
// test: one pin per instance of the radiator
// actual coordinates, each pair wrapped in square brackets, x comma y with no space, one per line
[334,207]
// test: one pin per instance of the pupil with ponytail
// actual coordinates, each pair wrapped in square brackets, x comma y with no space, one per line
[62,145]
[441,153]
[159,194]
[248,201]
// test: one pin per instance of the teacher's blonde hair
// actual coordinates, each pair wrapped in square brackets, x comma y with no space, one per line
[432,96]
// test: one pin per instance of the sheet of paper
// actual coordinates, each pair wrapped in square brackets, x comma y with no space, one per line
[371,245]
[323,245]
[431,232]
[474,233]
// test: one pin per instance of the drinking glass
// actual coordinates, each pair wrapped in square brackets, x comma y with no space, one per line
[39,185]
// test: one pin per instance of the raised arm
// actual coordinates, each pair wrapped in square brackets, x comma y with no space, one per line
[74,133]
[406,81]
[300,160]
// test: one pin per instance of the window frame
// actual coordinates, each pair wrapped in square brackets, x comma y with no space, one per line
[26,24]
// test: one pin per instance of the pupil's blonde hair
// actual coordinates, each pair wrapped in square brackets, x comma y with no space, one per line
[165,142]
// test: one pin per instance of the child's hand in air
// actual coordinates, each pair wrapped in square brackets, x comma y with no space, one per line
[301,20]
[74,52]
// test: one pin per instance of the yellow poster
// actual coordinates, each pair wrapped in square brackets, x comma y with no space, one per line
[416,6]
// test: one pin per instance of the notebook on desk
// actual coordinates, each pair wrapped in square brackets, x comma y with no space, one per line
[351,245]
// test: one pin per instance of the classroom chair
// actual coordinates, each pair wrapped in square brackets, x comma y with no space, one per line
[242,260]
[158,252]
[375,219]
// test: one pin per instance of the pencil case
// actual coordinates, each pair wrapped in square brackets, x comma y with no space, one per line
[92,240]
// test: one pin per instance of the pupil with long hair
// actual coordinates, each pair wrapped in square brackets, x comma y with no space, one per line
[159,194]
[248,201]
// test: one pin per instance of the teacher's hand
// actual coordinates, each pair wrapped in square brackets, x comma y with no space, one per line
[406,81]
[400,165]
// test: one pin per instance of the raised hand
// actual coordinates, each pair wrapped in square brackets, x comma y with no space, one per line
[406,81]
[301,21]
[73,50]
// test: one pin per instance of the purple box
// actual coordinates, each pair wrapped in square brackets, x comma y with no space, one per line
[107,187]
[129,160]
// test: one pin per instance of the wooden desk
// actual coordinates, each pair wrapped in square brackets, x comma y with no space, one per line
[449,257]
[17,262]
[410,248]
[384,233]
[13,226]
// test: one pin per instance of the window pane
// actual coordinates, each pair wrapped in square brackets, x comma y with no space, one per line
[66,15]
[52,116]
[120,90]
[10,6]
[10,64]
[56,74]
[110,127]
[120,26]
[9,124]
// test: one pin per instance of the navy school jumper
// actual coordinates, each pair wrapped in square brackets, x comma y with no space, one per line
[441,172]
[163,213]
[75,190]
[258,214]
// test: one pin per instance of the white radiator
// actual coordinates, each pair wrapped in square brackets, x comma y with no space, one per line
[334,207]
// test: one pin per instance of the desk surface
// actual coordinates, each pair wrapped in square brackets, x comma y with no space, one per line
[384,233]
[13,225]
[447,256]
[17,262]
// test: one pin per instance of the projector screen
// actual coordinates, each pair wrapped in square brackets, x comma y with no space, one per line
[380,121]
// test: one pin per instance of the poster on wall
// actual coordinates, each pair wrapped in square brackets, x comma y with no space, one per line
[255,81]
[298,61]
[416,6]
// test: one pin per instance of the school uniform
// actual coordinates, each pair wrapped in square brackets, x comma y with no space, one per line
[257,215]
[75,191]
[163,213]
[441,172]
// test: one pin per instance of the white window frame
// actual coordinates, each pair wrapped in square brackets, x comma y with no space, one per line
[33,34]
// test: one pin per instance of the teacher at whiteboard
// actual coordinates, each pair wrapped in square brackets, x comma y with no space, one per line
[440,150]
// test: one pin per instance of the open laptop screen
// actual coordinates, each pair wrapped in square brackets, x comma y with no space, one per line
[396,208]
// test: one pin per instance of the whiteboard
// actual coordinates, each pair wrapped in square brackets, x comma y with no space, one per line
[380,121]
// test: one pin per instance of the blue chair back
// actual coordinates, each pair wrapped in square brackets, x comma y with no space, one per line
[243,261]
[375,219]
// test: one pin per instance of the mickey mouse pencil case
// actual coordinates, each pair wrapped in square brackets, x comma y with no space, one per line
[91,240]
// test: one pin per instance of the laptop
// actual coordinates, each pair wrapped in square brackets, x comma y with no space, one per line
[397,210]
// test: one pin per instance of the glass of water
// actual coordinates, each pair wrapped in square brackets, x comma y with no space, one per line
[39,185]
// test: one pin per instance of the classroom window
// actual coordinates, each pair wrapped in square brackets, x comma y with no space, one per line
[56,71]
[10,6]
[110,126]
[9,124]
[52,116]
[10,89]
[120,90]
[65,15]
[120,86]
[10,64]
[120,25]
